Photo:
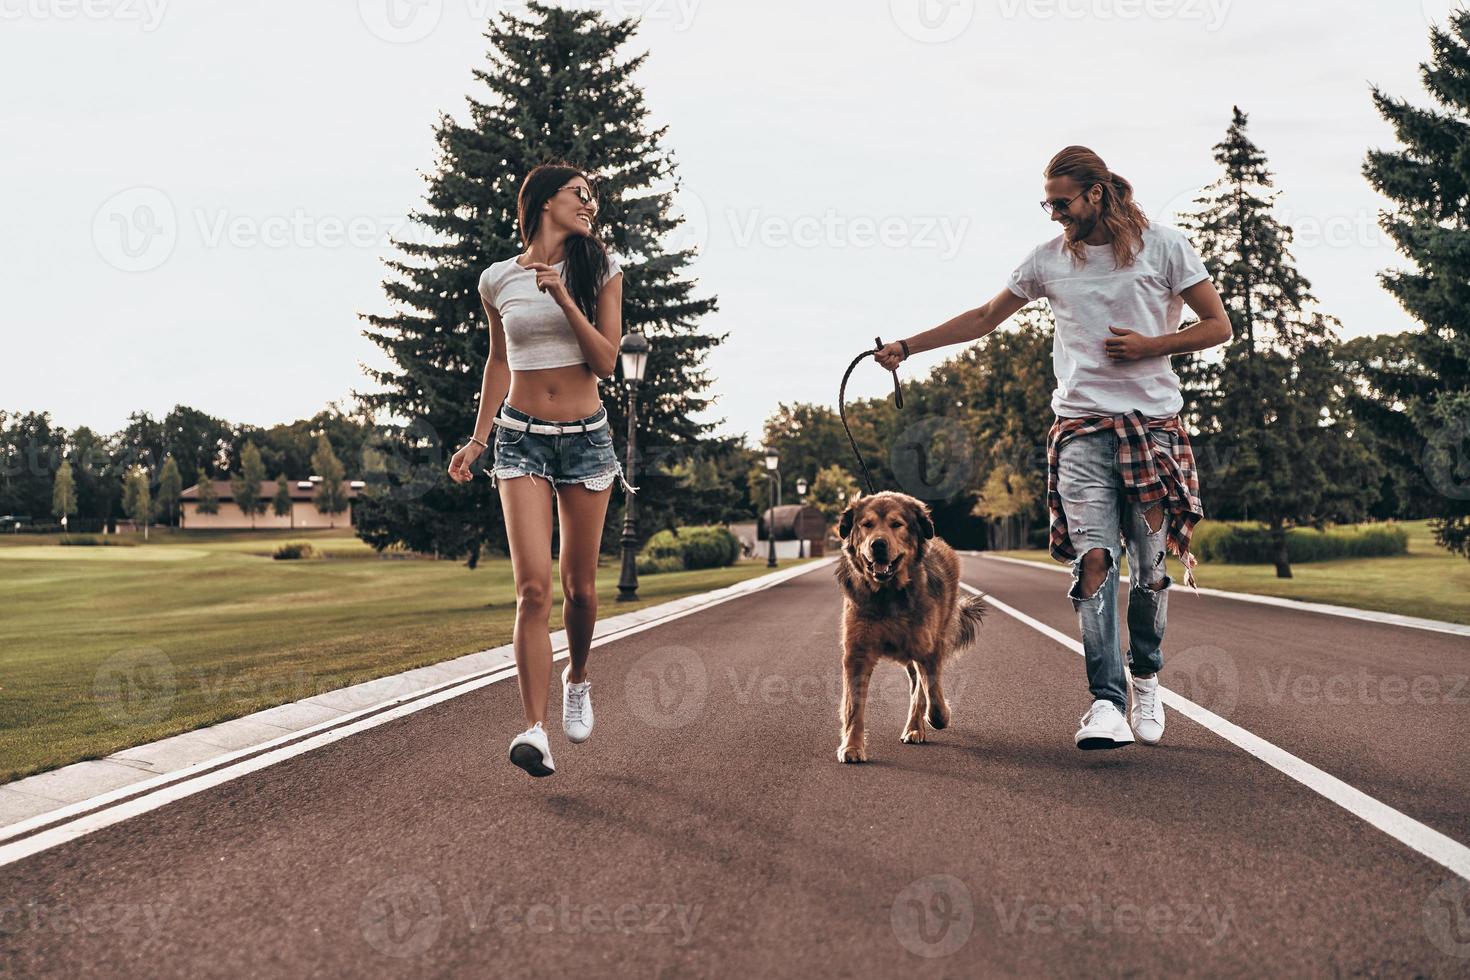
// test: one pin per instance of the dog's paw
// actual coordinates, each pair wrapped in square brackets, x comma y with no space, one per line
[851,753]
[939,716]
[912,737]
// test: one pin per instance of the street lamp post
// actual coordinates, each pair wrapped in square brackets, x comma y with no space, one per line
[634,354]
[801,498]
[773,459]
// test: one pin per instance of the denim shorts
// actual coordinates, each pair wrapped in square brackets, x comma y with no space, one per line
[587,458]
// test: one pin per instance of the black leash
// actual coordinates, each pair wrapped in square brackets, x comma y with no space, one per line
[842,407]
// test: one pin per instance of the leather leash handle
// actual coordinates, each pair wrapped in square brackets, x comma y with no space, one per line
[897,389]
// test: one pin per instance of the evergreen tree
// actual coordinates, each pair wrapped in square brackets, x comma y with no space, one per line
[1428,180]
[330,496]
[137,500]
[63,493]
[1380,367]
[170,486]
[557,87]
[281,503]
[208,499]
[1271,414]
[245,485]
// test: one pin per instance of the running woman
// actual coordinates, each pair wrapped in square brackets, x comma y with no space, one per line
[1120,473]
[556,321]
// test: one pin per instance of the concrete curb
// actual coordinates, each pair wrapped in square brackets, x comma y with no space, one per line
[46,798]
[1326,609]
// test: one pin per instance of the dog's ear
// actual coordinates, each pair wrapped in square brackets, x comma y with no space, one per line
[920,521]
[844,527]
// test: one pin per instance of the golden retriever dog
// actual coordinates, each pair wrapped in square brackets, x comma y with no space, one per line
[901,600]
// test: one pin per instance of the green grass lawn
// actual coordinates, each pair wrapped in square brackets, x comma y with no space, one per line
[1428,581]
[238,630]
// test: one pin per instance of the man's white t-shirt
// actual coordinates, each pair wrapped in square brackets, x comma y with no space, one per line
[1089,298]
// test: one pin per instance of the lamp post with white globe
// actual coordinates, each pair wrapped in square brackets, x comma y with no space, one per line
[634,354]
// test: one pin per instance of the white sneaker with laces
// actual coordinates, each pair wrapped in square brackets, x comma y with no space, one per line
[1104,727]
[531,750]
[1147,713]
[576,708]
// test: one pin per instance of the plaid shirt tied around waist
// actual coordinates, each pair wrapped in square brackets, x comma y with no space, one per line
[1150,474]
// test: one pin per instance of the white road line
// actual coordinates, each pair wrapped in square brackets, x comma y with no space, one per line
[179,788]
[1326,609]
[1427,841]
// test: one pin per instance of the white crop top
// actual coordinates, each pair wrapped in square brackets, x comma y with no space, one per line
[537,334]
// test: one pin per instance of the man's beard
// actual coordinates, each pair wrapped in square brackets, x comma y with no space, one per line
[1077,229]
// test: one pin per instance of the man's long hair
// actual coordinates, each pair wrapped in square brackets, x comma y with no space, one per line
[1119,214]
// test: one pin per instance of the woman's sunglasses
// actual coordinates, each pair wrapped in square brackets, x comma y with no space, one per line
[583,195]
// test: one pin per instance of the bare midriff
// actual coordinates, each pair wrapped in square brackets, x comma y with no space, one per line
[559,394]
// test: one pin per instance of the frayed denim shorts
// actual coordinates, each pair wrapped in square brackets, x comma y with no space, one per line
[587,458]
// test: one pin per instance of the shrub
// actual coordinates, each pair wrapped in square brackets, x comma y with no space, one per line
[1244,544]
[295,549]
[90,540]
[689,547]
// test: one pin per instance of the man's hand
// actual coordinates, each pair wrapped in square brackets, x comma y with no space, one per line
[1126,345]
[890,355]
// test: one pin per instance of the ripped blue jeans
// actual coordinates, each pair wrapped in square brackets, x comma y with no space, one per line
[1100,517]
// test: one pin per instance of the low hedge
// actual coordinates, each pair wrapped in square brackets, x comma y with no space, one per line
[1244,544]
[295,549]
[689,548]
[91,541]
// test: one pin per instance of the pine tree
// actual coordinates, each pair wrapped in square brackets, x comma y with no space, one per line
[1428,180]
[170,485]
[1271,410]
[558,88]
[330,496]
[245,485]
[208,501]
[63,493]
[281,504]
[137,501]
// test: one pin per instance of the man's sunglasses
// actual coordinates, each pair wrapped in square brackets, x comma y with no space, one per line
[1059,204]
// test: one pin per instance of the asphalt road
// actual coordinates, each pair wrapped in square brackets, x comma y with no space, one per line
[707,828]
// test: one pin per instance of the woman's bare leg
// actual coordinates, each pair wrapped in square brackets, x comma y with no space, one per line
[581,513]
[526,501]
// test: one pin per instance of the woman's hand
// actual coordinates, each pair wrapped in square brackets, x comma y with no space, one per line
[1127,345]
[459,466]
[890,355]
[549,281]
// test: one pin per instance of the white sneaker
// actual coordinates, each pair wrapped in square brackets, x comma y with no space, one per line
[1104,727]
[1147,713]
[531,750]
[576,708]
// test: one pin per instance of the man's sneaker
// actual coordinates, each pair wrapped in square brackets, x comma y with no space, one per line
[1147,713]
[1103,727]
[532,751]
[576,708]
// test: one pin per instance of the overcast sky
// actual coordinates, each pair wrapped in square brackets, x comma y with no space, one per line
[851,168]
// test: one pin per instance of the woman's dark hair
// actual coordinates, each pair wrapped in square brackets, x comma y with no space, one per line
[586,255]
[1121,216]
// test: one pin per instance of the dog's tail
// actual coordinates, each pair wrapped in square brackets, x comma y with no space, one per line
[969,612]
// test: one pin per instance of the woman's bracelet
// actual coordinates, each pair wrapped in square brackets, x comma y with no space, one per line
[483,444]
